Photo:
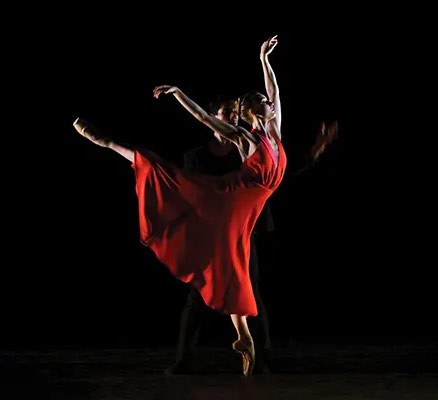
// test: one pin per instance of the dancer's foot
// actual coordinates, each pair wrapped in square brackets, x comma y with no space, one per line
[90,133]
[246,349]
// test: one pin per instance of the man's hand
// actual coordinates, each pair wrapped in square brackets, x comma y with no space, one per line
[325,137]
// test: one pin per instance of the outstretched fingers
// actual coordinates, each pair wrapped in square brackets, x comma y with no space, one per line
[163,89]
[326,135]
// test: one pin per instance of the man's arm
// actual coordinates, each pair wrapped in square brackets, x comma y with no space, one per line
[190,160]
[325,137]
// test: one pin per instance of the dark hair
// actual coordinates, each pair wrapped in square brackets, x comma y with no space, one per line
[248,99]
[247,102]
[220,101]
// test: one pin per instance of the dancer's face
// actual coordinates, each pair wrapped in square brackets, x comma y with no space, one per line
[258,106]
[265,108]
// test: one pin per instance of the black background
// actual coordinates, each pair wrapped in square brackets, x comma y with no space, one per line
[350,259]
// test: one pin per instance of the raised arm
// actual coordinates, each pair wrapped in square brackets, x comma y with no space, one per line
[271,85]
[226,130]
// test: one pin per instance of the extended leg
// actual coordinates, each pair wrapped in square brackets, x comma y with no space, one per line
[90,133]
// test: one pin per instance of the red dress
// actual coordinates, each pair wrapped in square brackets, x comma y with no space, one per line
[199,226]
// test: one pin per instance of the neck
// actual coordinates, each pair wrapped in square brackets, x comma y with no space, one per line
[258,125]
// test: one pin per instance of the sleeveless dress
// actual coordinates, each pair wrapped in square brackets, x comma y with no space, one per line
[199,226]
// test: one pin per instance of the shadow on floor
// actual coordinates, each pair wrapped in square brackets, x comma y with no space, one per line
[300,372]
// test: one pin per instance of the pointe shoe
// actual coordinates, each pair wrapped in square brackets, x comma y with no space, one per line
[89,132]
[246,349]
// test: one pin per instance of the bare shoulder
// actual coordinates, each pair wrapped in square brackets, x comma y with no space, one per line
[247,135]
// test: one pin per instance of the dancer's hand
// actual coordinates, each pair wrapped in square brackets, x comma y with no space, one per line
[268,46]
[325,137]
[164,89]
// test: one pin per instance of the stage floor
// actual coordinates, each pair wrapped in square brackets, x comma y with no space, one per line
[302,372]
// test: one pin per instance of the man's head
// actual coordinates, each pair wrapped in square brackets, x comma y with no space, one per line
[225,108]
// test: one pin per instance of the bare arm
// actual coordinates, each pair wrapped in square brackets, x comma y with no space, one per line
[325,137]
[226,130]
[271,85]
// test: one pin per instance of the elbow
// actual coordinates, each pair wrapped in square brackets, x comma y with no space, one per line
[202,116]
